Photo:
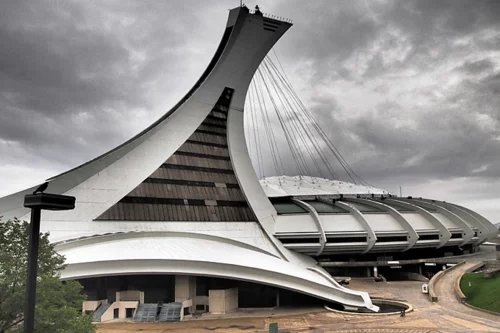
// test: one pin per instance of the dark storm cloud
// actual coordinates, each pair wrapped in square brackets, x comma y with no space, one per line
[351,30]
[407,90]
[447,139]
[477,67]
[70,72]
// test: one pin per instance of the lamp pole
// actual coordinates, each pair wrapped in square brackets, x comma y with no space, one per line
[34,238]
[37,202]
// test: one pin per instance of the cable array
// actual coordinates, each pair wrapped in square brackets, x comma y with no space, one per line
[309,147]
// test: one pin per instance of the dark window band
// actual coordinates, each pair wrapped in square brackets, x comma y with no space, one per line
[152,201]
[212,157]
[391,239]
[222,110]
[345,239]
[214,125]
[299,240]
[210,132]
[170,201]
[428,237]
[232,203]
[195,168]
[215,118]
[185,182]
[196,142]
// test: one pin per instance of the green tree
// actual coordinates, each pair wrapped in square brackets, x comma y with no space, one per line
[58,304]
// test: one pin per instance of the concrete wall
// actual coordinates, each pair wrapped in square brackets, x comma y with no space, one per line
[186,304]
[185,289]
[223,301]
[201,300]
[92,305]
[130,295]
[181,288]
[122,306]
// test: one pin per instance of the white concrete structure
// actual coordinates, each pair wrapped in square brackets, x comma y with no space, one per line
[104,246]
[182,198]
[362,219]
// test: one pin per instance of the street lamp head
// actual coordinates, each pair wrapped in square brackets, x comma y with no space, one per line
[47,201]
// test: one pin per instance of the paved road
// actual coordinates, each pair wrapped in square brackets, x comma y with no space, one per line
[445,290]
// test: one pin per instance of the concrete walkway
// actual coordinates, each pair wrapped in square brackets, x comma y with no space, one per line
[447,316]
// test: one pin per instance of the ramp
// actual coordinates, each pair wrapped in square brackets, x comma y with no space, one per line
[99,312]
[170,312]
[146,313]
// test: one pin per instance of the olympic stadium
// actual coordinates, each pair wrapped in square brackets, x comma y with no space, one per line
[176,221]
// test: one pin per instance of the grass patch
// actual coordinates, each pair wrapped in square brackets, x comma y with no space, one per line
[483,293]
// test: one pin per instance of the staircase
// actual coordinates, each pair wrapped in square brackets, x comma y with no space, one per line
[146,313]
[170,312]
[99,312]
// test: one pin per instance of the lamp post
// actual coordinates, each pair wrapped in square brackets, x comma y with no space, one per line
[38,202]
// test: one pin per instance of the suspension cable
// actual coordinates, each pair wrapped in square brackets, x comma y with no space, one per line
[301,165]
[319,130]
[305,138]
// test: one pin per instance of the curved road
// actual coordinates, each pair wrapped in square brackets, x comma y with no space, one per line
[445,290]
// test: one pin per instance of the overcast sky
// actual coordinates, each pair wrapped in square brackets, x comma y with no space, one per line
[409,91]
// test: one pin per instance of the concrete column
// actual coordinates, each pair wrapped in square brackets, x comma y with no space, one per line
[375,271]
[368,272]
[192,292]
[277,298]
[185,288]
[419,269]
[181,288]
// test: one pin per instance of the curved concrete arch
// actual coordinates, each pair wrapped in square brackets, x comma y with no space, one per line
[204,257]
[121,236]
[317,220]
[444,233]
[412,236]
[488,227]
[372,238]
[468,233]
[321,271]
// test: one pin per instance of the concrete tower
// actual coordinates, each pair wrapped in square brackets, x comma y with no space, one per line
[182,197]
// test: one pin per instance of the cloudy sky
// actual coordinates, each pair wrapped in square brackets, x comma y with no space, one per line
[409,91]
